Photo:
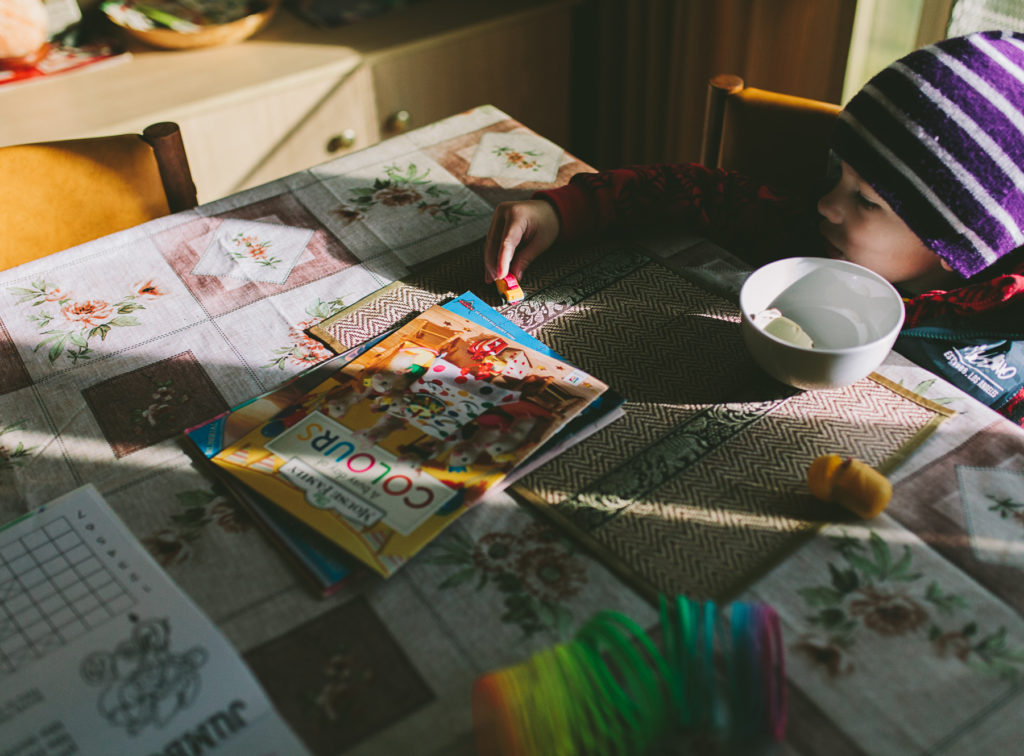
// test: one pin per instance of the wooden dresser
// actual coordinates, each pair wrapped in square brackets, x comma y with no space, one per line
[295,95]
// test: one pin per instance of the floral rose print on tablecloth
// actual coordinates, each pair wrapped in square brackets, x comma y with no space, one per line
[253,250]
[993,502]
[1007,508]
[153,403]
[873,590]
[340,678]
[536,571]
[514,157]
[922,388]
[13,456]
[70,323]
[303,350]
[164,398]
[250,247]
[200,509]
[404,187]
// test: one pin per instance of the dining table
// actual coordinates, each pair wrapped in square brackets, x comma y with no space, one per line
[902,634]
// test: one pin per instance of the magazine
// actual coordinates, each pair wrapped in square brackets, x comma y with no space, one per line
[397,443]
[605,409]
[324,563]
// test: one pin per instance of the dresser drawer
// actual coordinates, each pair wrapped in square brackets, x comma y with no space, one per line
[342,120]
[495,64]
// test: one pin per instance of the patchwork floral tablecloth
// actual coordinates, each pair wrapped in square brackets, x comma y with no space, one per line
[904,634]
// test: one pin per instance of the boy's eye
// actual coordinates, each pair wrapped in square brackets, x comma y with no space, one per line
[866,203]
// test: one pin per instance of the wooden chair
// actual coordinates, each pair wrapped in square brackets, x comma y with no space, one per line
[54,195]
[776,138]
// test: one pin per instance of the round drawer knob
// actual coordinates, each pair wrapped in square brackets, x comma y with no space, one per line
[398,122]
[341,141]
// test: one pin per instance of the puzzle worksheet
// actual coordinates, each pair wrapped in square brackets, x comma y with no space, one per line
[101,653]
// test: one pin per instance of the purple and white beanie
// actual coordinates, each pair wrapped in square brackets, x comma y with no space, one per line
[939,134]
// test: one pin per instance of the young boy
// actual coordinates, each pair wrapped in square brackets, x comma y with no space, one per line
[930,196]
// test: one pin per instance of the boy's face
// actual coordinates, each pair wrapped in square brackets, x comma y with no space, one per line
[859,226]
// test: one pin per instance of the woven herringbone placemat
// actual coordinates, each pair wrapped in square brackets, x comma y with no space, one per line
[700,488]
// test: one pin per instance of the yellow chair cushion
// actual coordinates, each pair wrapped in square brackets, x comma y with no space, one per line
[777,138]
[59,194]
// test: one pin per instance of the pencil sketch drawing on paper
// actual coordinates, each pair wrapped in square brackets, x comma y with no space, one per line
[143,682]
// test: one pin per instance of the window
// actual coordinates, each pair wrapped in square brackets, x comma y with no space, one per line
[884,30]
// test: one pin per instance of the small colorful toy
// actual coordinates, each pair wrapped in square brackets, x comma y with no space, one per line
[719,674]
[508,287]
[851,483]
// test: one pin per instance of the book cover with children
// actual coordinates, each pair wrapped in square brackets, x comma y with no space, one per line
[392,447]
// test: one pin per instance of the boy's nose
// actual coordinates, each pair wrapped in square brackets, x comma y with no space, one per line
[829,207]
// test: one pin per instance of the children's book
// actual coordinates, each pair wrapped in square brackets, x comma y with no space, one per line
[605,409]
[325,564]
[599,413]
[394,445]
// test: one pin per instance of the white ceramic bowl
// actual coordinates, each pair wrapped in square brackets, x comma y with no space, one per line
[852,315]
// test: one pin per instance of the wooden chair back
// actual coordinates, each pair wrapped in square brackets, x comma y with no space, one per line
[776,138]
[54,195]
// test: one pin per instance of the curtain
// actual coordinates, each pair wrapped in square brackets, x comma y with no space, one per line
[641,67]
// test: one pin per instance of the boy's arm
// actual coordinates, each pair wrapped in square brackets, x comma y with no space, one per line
[998,298]
[748,218]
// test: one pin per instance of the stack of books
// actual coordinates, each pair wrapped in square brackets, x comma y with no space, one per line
[367,457]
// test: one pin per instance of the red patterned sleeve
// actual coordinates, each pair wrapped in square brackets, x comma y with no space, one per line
[1002,294]
[744,216]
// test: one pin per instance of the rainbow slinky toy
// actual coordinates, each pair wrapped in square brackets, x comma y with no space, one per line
[612,691]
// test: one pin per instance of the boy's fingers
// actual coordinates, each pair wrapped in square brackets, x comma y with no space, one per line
[519,232]
[513,236]
[492,251]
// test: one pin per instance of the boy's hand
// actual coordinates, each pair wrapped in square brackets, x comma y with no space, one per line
[519,232]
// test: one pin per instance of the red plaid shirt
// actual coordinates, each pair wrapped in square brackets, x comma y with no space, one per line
[760,224]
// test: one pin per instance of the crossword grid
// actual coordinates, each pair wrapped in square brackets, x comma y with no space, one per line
[53,588]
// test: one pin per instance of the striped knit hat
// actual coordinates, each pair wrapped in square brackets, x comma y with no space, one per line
[939,134]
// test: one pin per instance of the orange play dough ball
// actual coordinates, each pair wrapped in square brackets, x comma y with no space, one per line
[850,483]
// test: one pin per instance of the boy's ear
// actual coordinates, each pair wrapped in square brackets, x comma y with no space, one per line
[945,265]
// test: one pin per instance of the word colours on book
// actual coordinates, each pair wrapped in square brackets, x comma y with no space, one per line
[389,449]
[324,565]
